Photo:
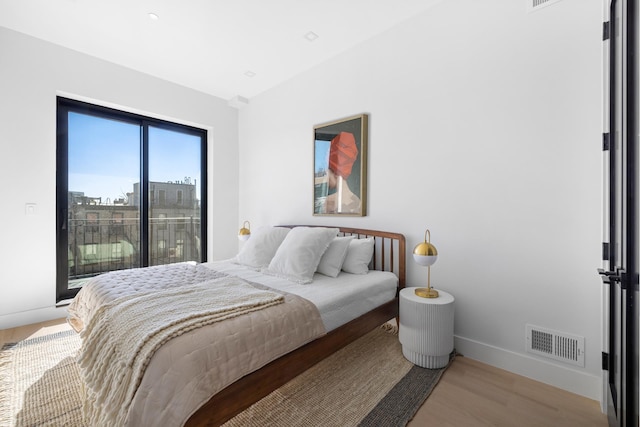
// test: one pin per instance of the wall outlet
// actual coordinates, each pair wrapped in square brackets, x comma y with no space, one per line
[30,209]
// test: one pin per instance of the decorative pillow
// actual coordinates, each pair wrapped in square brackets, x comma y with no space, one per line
[258,251]
[358,256]
[298,256]
[333,258]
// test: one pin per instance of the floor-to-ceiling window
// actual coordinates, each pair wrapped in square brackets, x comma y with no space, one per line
[131,192]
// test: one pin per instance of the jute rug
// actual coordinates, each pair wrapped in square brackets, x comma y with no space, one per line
[39,382]
[368,383]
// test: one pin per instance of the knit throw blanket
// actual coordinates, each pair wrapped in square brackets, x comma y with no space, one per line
[121,338]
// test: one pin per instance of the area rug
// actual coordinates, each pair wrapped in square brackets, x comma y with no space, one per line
[367,383]
[40,382]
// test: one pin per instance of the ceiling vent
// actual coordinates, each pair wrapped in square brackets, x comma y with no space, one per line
[533,5]
[555,345]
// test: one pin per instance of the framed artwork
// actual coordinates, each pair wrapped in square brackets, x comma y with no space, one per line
[340,167]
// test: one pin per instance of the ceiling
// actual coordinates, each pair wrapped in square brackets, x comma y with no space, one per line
[225,48]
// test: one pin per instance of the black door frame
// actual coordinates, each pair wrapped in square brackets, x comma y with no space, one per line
[622,256]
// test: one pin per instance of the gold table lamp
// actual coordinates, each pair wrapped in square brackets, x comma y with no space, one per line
[245,231]
[426,254]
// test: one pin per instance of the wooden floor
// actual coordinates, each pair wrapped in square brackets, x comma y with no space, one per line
[473,394]
[469,394]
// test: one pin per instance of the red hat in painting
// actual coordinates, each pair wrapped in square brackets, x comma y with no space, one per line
[342,154]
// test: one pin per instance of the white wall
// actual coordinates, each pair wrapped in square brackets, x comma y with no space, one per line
[32,73]
[485,126]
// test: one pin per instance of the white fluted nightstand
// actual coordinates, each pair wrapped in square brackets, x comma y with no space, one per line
[426,328]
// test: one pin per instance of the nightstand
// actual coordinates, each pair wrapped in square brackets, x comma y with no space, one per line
[426,328]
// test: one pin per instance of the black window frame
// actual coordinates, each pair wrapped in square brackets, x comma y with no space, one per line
[66,105]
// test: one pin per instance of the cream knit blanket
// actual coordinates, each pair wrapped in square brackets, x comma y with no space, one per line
[121,338]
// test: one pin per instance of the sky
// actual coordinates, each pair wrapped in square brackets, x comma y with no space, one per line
[104,156]
[321,155]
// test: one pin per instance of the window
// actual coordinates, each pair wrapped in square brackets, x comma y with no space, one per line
[180,222]
[162,248]
[117,222]
[116,251]
[116,175]
[179,197]
[162,221]
[92,222]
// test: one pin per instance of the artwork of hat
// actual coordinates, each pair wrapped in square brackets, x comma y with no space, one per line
[342,154]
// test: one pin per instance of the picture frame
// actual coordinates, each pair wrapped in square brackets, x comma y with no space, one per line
[340,167]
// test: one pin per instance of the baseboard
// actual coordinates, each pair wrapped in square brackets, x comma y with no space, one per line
[29,317]
[565,378]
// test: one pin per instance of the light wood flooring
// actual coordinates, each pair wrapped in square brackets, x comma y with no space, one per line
[469,394]
[473,394]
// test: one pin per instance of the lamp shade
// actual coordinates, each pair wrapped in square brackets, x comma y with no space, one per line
[425,254]
[245,231]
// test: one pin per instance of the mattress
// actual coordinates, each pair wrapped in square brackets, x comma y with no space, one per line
[339,300]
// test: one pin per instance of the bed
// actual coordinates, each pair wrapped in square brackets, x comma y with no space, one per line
[297,310]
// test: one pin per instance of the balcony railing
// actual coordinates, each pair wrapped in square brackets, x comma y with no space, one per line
[98,246]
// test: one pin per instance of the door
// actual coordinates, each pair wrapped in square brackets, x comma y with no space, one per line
[620,275]
[131,192]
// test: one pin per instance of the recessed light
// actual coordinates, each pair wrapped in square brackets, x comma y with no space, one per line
[153,16]
[250,73]
[311,36]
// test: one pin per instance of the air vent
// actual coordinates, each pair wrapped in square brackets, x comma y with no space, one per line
[533,5]
[555,345]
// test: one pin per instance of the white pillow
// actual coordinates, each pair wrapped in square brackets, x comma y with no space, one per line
[358,256]
[258,251]
[333,258]
[299,254]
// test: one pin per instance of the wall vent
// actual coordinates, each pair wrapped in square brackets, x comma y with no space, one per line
[533,5]
[555,345]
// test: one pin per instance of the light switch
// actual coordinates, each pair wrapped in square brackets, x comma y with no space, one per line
[30,209]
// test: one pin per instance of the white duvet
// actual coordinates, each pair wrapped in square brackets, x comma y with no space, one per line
[187,370]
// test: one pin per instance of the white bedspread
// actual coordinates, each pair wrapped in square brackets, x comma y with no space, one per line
[123,336]
[187,370]
[105,288]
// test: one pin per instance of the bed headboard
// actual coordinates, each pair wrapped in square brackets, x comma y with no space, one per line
[389,250]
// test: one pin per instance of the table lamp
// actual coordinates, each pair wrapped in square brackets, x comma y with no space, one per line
[245,231]
[426,254]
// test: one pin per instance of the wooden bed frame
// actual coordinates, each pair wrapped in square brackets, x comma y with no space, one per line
[389,255]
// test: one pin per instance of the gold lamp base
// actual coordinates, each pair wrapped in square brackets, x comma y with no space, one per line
[427,293]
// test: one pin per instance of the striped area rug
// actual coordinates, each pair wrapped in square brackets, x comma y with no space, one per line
[368,383]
